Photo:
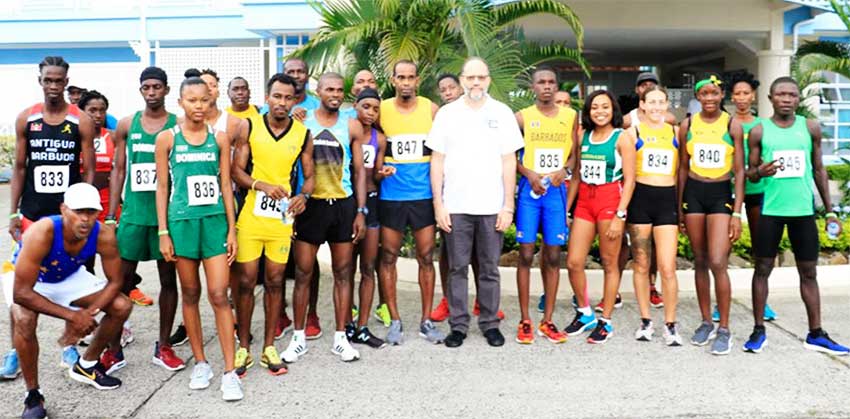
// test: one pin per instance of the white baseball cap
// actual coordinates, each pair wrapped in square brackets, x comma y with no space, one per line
[82,196]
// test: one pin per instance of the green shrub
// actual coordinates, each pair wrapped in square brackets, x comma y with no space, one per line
[7,150]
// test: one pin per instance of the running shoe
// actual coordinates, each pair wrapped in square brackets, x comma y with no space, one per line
[314,328]
[201,376]
[757,341]
[476,311]
[345,351]
[823,343]
[126,336]
[395,336]
[382,314]
[365,337]
[350,330]
[243,361]
[283,325]
[34,405]
[11,368]
[551,332]
[164,356]
[769,314]
[439,314]
[645,331]
[580,324]
[95,376]
[430,332]
[355,313]
[139,298]
[69,357]
[525,333]
[704,333]
[618,303]
[272,361]
[179,337]
[541,303]
[655,299]
[715,315]
[671,335]
[112,361]
[601,333]
[722,343]
[231,387]
[296,349]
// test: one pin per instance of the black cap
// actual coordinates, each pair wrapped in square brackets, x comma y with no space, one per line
[646,76]
[72,87]
[368,93]
[153,73]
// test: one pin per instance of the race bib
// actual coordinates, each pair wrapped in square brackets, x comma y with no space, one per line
[369,156]
[791,163]
[709,156]
[51,179]
[143,177]
[203,190]
[265,206]
[593,171]
[548,159]
[657,161]
[409,147]
[100,145]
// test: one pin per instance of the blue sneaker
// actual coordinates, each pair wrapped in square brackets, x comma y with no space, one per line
[541,305]
[757,341]
[824,344]
[69,357]
[769,314]
[715,315]
[11,368]
[581,323]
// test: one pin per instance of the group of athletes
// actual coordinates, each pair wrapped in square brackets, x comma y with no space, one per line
[251,193]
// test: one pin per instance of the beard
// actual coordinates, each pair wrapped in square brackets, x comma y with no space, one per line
[476,95]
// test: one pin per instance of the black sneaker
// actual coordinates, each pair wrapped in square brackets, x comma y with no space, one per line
[455,339]
[34,405]
[601,333]
[494,337]
[94,376]
[365,337]
[179,337]
[350,331]
[580,324]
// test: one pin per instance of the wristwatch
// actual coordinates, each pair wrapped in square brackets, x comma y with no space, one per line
[363,210]
[621,214]
[306,196]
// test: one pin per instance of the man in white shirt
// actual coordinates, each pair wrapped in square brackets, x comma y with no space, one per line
[473,164]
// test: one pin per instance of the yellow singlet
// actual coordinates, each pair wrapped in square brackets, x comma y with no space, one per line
[548,140]
[657,150]
[273,159]
[247,113]
[406,151]
[710,146]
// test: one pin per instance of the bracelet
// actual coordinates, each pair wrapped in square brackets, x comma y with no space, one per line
[736,214]
[15,215]
[254,184]
[831,215]
[162,233]
[110,222]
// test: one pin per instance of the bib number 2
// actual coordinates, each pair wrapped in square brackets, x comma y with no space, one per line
[51,179]
[203,190]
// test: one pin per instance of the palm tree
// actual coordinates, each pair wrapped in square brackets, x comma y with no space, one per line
[438,35]
[838,61]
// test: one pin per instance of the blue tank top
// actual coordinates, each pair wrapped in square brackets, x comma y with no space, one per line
[58,265]
[331,158]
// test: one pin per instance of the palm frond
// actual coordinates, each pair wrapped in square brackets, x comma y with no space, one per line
[535,54]
[507,15]
[842,9]
[812,63]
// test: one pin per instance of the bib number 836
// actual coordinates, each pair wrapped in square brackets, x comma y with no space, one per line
[203,190]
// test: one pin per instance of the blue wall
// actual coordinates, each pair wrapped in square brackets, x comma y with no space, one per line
[72,55]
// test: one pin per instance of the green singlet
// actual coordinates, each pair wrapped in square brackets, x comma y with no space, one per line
[788,193]
[139,206]
[194,170]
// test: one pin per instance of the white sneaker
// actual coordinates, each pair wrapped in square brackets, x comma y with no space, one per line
[296,349]
[345,351]
[231,387]
[126,336]
[644,332]
[201,376]
[671,335]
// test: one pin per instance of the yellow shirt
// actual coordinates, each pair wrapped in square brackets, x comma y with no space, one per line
[273,159]
[657,150]
[710,146]
[548,140]
[247,113]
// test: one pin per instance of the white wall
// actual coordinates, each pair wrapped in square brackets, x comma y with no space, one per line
[119,82]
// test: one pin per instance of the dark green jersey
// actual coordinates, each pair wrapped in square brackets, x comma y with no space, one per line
[195,178]
[139,205]
[788,193]
[751,187]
